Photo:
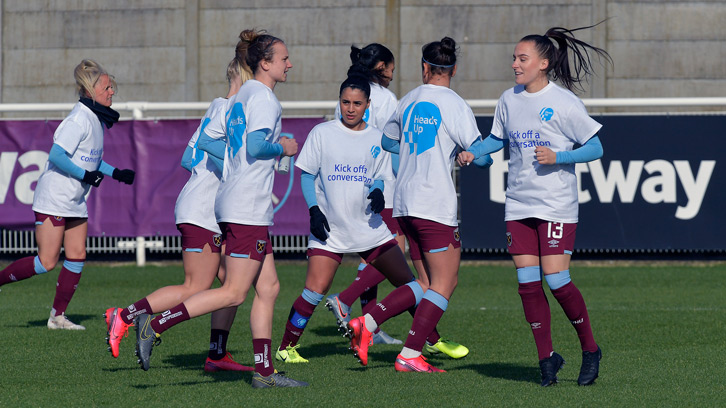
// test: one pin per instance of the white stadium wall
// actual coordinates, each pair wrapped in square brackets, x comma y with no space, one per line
[176,50]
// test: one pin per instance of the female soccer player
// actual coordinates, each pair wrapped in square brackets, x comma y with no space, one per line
[201,241]
[429,125]
[243,207]
[343,168]
[543,122]
[74,165]
[376,63]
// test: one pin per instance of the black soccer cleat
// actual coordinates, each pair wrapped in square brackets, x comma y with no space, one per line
[276,379]
[590,367]
[549,367]
[146,339]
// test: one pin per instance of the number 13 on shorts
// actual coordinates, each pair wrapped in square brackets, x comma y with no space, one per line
[555,230]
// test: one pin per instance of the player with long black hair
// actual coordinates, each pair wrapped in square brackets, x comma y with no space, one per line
[343,171]
[541,207]
[376,63]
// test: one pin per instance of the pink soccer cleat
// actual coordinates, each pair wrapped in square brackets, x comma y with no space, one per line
[360,339]
[418,365]
[226,363]
[117,329]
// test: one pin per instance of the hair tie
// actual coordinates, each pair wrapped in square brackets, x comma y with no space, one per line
[437,65]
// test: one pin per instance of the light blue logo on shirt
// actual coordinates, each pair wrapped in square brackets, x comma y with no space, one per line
[546,114]
[236,124]
[422,121]
[375,151]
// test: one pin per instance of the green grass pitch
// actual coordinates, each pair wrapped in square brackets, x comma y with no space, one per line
[662,328]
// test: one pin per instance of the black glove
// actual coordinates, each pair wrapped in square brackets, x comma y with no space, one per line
[93,178]
[124,176]
[377,200]
[318,223]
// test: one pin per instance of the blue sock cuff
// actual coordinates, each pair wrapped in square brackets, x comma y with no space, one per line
[312,297]
[529,274]
[362,266]
[39,268]
[417,290]
[436,299]
[558,280]
[75,267]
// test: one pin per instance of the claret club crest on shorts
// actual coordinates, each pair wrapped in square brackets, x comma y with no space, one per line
[261,246]
[457,237]
[217,239]
[509,239]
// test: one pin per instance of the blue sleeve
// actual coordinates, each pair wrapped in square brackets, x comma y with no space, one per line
[186,160]
[591,150]
[489,145]
[59,157]
[483,161]
[106,169]
[259,148]
[215,147]
[390,145]
[307,183]
[377,184]
[395,162]
[217,162]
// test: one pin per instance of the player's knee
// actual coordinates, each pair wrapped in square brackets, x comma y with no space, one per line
[236,299]
[269,291]
[47,263]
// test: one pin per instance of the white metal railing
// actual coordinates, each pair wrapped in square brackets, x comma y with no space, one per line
[23,242]
[138,110]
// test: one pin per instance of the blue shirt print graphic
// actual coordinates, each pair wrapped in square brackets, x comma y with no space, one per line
[546,114]
[199,154]
[236,124]
[421,125]
[375,151]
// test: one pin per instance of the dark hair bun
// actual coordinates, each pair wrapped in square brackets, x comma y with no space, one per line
[448,46]
[354,54]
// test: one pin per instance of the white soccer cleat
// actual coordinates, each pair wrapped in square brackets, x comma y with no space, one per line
[61,322]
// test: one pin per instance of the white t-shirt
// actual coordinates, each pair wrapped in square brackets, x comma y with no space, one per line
[195,204]
[553,117]
[57,193]
[245,191]
[383,106]
[346,163]
[431,122]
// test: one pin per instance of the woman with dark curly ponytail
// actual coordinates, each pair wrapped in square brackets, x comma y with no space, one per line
[543,122]
[376,63]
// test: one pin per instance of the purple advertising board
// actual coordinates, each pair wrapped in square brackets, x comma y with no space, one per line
[153,148]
